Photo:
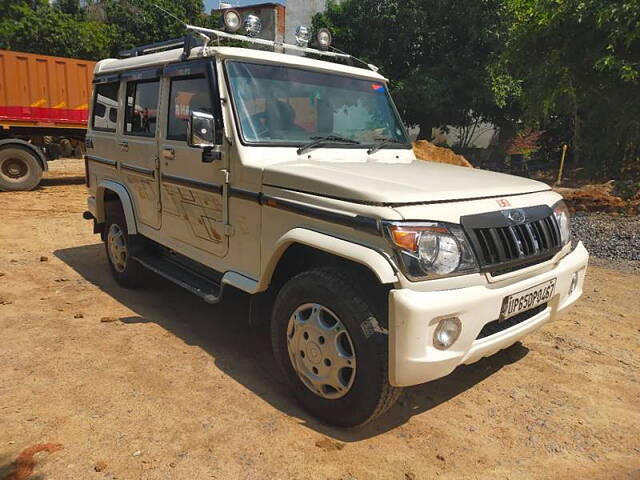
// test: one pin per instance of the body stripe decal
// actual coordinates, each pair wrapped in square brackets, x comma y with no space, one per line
[191,183]
[134,168]
[104,161]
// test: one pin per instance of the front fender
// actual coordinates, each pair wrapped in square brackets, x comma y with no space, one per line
[125,200]
[370,258]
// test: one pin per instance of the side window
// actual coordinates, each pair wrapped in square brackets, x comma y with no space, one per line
[187,94]
[142,108]
[105,99]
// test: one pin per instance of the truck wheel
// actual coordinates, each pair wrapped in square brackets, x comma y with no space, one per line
[119,246]
[332,348]
[19,169]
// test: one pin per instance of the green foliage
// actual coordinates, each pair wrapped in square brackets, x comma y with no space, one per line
[578,60]
[48,30]
[139,22]
[94,31]
[435,52]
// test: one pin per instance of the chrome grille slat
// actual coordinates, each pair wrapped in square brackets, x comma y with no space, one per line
[501,245]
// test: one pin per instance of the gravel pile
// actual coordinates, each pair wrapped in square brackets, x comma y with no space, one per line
[608,237]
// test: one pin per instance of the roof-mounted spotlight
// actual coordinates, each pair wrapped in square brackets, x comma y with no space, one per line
[303,36]
[252,25]
[231,20]
[323,39]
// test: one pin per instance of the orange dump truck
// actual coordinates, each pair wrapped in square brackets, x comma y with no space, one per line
[43,114]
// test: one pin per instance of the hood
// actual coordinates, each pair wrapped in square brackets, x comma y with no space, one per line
[395,183]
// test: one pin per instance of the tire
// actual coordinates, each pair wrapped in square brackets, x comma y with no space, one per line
[20,169]
[363,392]
[119,247]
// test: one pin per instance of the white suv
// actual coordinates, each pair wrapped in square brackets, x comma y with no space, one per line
[293,179]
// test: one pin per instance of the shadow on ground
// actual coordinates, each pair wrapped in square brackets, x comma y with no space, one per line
[65,180]
[244,352]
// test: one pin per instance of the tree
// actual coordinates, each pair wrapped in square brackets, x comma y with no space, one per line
[435,52]
[578,60]
[139,22]
[43,28]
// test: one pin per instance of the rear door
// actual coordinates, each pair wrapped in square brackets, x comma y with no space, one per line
[138,144]
[194,210]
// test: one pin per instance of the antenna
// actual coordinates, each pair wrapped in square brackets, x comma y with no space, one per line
[169,13]
[200,34]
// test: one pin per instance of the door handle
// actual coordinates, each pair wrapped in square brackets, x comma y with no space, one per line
[124,146]
[168,153]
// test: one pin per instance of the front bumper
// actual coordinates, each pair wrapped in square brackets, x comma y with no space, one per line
[413,317]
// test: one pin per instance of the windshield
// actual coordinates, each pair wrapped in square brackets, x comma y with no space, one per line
[284,105]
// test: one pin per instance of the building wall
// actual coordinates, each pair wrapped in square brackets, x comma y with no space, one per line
[300,12]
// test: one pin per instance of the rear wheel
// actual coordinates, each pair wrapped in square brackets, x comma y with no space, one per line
[120,247]
[332,347]
[19,169]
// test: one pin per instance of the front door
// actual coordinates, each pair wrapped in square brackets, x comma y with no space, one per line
[192,189]
[139,146]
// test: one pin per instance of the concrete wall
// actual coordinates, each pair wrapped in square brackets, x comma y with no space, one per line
[300,12]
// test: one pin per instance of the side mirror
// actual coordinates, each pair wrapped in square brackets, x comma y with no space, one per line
[201,130]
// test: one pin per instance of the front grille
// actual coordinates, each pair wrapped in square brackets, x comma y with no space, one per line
[502,245]
[497,326]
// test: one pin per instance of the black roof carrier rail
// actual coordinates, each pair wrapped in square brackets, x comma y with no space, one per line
[187,42]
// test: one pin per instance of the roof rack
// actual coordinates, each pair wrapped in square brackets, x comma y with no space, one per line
[200,36]
[187,42]
[269,43]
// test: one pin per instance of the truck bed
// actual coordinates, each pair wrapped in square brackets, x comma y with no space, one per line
[44,91]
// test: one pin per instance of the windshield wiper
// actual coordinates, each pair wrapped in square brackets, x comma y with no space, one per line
[383,142]
[327,139]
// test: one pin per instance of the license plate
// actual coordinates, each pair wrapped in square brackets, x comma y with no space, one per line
[527,299]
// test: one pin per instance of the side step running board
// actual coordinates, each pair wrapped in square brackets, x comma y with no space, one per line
[206,288]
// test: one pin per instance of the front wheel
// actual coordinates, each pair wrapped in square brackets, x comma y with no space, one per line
[19,169]
[332,347]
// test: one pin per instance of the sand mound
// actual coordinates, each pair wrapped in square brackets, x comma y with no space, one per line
[425,150]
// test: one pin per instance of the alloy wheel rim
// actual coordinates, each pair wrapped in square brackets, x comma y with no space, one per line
[321,351]
[117,247]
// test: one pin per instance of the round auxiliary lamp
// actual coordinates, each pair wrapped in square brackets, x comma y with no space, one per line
[231,20]
[323,39]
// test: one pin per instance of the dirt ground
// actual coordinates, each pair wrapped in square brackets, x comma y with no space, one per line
[155,384]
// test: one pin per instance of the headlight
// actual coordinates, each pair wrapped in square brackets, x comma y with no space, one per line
[563,219]
[431,249]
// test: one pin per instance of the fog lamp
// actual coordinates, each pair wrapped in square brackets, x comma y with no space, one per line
[574,283]
[323,39]
[303,35]
[447,332]
[231,20]
[252,25]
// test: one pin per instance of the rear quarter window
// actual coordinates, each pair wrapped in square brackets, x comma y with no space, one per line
[105,99]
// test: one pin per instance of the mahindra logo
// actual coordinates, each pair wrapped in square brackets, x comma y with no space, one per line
[516,215]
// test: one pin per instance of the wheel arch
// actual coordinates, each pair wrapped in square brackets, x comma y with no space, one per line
[32,148]
[110,190]
[301,247]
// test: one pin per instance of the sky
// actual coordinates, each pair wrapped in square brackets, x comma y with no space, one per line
[211,4]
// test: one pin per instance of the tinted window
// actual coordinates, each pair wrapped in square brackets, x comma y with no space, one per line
[142,108]
[106,97]
[99,110]
[187,95]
